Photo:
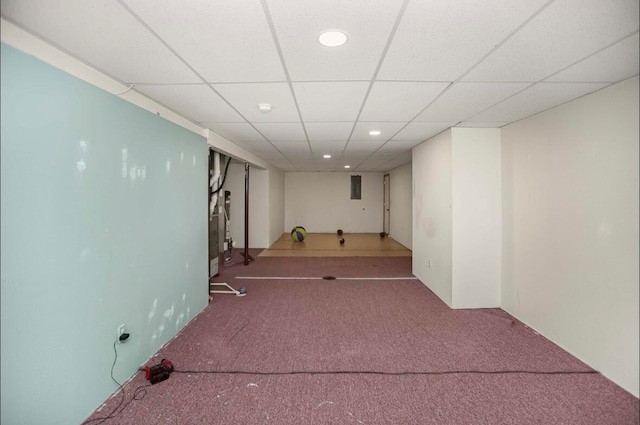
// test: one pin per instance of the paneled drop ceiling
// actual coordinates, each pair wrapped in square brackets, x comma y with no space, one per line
[409,69]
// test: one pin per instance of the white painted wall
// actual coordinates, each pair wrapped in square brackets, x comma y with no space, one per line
[235,184]
[401,206]
[320,201]
[432,218]
[259,209]
[570,230]
[276,204]
[258,205]
[457,216]
[477,217]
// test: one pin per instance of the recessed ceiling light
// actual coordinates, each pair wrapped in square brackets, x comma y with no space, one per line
[264,107]
[374,133]
[332,38]
[347,166]
[326,156]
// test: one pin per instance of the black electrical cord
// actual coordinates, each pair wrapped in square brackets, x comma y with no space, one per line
[141,392]
[223,178]
[138,394]
[369,372]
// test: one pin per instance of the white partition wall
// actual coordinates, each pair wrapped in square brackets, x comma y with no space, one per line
[570,229]
[276,204]
[235,185]
[258,205]
[401,207]
[457,216]
[477,217]
[259,208]
[432,220]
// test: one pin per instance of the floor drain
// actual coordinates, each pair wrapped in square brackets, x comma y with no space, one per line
[329,278]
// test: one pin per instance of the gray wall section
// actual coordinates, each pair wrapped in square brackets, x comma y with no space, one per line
[104,210]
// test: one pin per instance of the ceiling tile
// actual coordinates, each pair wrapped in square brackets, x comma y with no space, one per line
[284,166]
[299,23]
[615,63]
[332,148]
[565,32]
[195,101]
[259,148]
[483,124]
[464,100]
[352,163]
[395,163]
[389,166]
[103,34]
[399,101]
[398,145]
[282,132]
[387,156]
[387,129]
[538,98]
[354,156]
[440,40]
[230,43]
[246,97]
[369,146]
[371,164]
[274,157]
[329,168]
[339,101]
[287,168]
[326,163]
[293,147]
[403,156]
[236,132]
[225,41]
[327,131]
[305,161]
[421,131]
[298,158]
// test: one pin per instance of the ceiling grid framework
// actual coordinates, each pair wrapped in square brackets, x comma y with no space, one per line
[409,69]
[208,84]
[272,30]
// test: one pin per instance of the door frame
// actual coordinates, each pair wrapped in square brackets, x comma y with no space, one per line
[386,204]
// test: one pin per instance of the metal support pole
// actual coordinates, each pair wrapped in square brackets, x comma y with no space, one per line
[246,213]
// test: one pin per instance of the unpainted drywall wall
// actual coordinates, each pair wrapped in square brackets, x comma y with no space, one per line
[104,222]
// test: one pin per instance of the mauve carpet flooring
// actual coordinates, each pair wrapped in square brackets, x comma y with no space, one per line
[363,352]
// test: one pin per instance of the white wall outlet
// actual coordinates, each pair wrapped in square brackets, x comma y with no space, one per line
[429,263]
[121,329]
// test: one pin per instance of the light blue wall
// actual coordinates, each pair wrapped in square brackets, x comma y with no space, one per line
[103,222]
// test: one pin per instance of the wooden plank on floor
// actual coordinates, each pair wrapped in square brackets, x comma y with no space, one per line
[328,245]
